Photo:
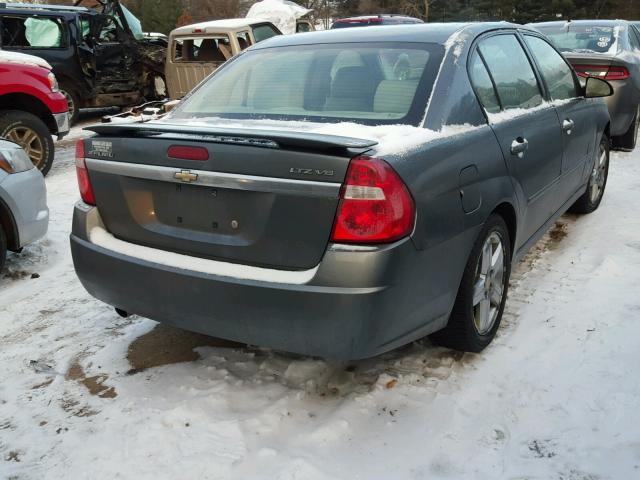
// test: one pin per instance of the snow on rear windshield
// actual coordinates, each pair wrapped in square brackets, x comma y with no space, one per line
[368,83]
[583,38]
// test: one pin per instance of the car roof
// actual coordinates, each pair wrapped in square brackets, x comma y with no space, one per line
[419,32]
[227,25]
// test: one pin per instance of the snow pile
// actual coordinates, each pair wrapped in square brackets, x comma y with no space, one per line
[23,59]
[282,13]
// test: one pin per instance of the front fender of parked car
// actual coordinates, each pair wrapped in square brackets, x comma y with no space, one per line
[33,81]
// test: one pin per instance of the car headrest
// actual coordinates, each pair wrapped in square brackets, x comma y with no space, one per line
[351,81]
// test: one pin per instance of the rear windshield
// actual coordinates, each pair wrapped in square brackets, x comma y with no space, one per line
[202,49]
[582,38]
[369,83]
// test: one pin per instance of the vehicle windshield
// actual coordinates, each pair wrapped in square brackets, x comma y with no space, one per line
[374,84]
[582,38]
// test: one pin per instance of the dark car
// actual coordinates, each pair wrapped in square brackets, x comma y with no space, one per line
[374,20]
[346,192]
[607,49]
[97,57]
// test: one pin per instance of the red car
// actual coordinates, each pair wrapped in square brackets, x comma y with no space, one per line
[32,109]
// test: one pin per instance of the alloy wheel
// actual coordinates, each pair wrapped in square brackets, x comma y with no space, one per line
[488,290]
[30,142]
[598,176]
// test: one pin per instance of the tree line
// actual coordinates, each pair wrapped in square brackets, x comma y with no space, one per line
[518,11]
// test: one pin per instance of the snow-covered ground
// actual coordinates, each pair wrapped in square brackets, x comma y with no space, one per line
[85,394]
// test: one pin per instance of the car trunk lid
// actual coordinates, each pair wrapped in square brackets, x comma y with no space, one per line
[258,197]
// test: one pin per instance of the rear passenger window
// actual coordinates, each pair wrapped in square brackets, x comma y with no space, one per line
[555,71]
[482,85]
[511,71]
[202,49]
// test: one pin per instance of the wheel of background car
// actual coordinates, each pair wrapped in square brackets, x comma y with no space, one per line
[31,134]
[591,198]
[73,102]
[479,305]
[3,247]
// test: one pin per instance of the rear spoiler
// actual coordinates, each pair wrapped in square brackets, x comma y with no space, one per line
[254,137]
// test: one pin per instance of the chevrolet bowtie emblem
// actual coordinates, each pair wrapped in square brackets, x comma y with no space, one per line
[185,176]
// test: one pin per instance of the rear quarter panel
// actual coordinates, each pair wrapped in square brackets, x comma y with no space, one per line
[623,104]
[437,175]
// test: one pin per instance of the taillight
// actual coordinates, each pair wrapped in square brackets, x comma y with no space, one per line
[185,152]
[617,73]
[375,205]
[604,72]
[84,183]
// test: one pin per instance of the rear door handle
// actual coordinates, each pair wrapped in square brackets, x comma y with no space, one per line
[567,125]
[519,146]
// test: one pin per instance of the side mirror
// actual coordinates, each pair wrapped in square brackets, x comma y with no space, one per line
[596,88]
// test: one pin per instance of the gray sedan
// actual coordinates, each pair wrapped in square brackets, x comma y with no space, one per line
[607,49]
[342,193]
[24,216]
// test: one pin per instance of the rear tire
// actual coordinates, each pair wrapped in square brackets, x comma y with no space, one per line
[31,134]
[479,305]
[591,198]
[627,141]
[3,247]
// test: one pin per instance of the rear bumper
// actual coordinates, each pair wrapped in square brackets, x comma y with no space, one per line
[25,194]
[357,303]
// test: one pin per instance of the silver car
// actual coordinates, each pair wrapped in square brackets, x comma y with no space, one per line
[610,50]
[24,216]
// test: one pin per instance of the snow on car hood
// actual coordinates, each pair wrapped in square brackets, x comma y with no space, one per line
[282,13]
[23,59]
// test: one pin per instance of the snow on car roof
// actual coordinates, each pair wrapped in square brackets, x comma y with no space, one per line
[218,25]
